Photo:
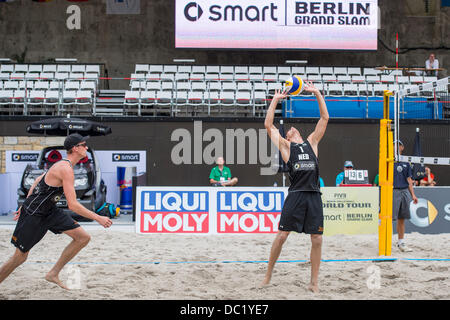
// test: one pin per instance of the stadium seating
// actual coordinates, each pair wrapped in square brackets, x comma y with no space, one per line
[35,85]
[159,89]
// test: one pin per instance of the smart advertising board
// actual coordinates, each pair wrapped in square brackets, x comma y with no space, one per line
[276,24]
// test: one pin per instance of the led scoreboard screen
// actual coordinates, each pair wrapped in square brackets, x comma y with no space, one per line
[276,24]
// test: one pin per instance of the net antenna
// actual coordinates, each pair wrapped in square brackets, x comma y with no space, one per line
[428,100]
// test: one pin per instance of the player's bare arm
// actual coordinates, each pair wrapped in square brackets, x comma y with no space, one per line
[315,137]
[282,144]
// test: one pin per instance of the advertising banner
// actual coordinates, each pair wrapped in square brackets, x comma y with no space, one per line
[350,210]
[431,214]
[277,24]
[244,210]
[241,210]
[172,210]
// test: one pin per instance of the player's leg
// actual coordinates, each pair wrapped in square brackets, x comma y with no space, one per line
[275,251]
[80,238]
[315,257]
[9,266]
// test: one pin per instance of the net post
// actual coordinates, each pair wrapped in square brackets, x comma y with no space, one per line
[386,175]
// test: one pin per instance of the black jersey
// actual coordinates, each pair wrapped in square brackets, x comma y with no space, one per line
[44,198]
[303,168]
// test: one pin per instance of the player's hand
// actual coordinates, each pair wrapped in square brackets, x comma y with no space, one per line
[415,200]
[309,87]
[279,95]
[104,221]
[17,214]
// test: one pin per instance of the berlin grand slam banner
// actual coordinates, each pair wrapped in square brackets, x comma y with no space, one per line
[277,24]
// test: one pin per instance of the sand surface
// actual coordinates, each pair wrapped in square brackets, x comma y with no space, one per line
[125,265]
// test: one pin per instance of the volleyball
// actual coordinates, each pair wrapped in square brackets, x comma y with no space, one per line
[294,85]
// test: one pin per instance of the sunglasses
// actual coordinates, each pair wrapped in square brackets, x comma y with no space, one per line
[82,145]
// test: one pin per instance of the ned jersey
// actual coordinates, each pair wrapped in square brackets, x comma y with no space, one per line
[303,168]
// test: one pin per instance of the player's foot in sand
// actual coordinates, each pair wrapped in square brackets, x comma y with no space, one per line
[265,282]
[55,279]
[313,288]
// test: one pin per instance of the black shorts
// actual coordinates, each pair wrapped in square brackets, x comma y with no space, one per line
[302,212]
[30,229]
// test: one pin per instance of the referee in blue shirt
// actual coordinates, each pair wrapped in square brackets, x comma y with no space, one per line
[402,197]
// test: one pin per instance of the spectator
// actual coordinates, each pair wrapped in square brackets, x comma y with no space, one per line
[428,180]
[376,180]
[432,63]
[221,175]
[348,165]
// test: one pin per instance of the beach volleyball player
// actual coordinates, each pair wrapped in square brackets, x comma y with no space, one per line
[39,213]
[302,210]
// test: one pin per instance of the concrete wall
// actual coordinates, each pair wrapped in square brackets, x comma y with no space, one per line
[39,31]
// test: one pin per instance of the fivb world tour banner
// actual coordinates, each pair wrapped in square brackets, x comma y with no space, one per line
[243,210]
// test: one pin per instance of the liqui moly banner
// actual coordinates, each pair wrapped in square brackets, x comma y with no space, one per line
[208,210]
[172,210]
[249,211]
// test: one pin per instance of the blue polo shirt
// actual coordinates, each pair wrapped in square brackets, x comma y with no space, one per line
[402,170]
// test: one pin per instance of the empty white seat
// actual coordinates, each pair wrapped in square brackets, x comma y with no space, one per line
[76,75]
[365,89]
[312,70]
[181,97]
[329,77]
[41,85]
[26,84]
[226,97]
[153,85]
[243,97]
[69,96]
[87,85]
[49,68]
[198,86]
[260,86]
[335,89]
[93,69]
[170,69]
[211,76]
[255,70]
[284,70]
[7,68]
[241,70]
[350,89]
[226,70]
[164,97]
[93,76]
[153,76]
[197,77]
[314,77]
[226,76]
[46,75]
[21,68]
[301,71]
[84,97]
[344,78]
[148,97]
[229,86]
[183,86]
[141,68]
[63,68]
[272,86]
[61,75]
[340,71]
[429,78]
[55,85]
[387,78]
[244,86]
[167,85]
[198,69]
[182,76]
[354,71]
[51,97]
[36,97]
[132,97]
[378,89]
[195,97]
[256,77]
[155,68]
[184,69]
[11,85]
[78,68]
[6,96]
[373,78]
[371,72]
[326,70]
[19,96]
[403,79]
[72,85]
